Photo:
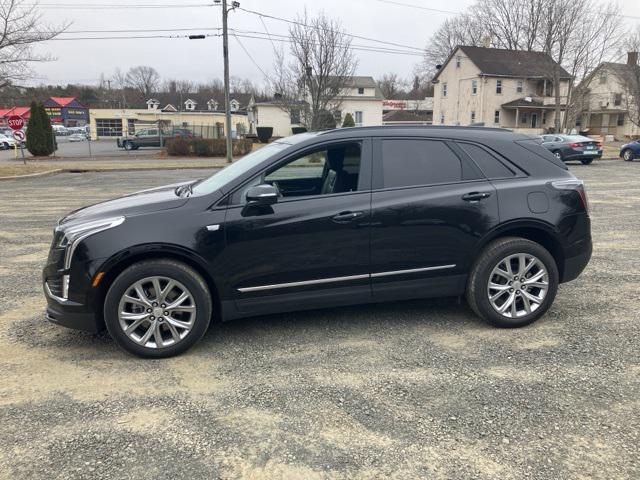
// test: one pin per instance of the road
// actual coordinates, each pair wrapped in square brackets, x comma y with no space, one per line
[417,389]
[100,148]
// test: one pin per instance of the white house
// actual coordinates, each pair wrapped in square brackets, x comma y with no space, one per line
[498,87]
[361,98]
[606,100]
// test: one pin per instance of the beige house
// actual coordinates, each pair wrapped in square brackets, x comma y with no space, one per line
[361,98]
[496,87]
[604,103]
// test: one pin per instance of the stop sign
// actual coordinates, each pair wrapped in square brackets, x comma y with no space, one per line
[15,122]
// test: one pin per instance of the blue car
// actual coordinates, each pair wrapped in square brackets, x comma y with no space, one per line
[630,150]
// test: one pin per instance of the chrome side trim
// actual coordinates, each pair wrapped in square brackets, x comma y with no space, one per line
[412,270]
[304,283]
[341,279]
[51,295]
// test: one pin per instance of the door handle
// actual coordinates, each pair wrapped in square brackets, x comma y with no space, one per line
[345,217]
[475,196]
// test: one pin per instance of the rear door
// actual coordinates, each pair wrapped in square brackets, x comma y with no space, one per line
[430,206]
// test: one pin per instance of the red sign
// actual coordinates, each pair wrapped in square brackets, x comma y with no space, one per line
[15,122]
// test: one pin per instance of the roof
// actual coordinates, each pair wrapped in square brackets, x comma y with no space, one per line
[202,99]
[501,62]
[408,116]
[359,81]
[64,102]
[24,112]
[529,102]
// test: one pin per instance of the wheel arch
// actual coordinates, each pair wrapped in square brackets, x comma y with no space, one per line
[534,230]
[119,262]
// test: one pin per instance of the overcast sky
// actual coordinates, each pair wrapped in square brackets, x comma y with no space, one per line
[200,60]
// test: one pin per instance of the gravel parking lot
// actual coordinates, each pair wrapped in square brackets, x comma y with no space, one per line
[416,389]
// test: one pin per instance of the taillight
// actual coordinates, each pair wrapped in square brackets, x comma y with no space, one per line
[599,145]
[576,185]
[575,145]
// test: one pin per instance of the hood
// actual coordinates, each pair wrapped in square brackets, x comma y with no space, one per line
[144,201]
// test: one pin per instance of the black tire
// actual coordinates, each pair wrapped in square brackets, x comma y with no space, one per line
[5,146]
[173,270]
[558,155]
[628,155]
[491,255]
[127,145]
[587,161]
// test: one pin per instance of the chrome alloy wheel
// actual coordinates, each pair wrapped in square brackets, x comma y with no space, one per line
[518,285]
[157,312]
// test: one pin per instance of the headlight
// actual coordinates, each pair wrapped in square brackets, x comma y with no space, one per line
[72,236]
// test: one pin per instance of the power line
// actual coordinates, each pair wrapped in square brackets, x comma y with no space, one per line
[123,37]
[142,30]
[420,7]
[102,6]
[251,58]
[294,22]
[451,12]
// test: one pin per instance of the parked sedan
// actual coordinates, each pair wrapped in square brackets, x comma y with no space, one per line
[77,137]
[572,147]
[7,142]
[630,151]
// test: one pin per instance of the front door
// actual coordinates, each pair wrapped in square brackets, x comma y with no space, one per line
[311,248]
[430,206]
[534,120]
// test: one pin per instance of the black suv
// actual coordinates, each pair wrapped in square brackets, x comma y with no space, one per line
[326,219]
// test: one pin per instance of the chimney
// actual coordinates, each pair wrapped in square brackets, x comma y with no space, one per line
[632,58]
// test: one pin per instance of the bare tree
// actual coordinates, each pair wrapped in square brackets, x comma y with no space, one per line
[143,79]
[391,85]
[631,41]
[629,78]
[320,70]
[463,29]
[22,27]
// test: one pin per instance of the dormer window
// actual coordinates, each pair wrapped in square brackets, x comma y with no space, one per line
[234,105]
[190,105]
[212,105]
[153,104]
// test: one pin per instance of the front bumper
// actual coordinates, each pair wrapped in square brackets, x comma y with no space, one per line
[70,314]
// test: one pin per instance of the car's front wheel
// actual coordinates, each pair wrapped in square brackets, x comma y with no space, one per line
[128,145]
[558,155]
[157,308]
[512,283]
[627,155]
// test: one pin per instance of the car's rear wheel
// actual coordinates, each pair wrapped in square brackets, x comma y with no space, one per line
[157,308]
[558,155]
[513,282]
[587,161]
[627,155]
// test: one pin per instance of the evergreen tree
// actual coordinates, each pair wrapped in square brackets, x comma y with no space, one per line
[40,139]
[348,121]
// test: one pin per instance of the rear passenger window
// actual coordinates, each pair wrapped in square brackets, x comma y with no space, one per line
[490,165]
[408,163]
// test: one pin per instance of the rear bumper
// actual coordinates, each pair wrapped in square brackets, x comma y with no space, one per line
[582,156]
[574,266]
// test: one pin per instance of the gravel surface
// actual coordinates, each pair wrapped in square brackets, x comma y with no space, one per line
[417,389]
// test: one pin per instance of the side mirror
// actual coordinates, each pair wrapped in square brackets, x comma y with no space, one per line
[264,194]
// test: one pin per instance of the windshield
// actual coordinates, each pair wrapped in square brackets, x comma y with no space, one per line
[246,163]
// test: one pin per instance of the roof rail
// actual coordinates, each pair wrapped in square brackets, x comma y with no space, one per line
[419,127]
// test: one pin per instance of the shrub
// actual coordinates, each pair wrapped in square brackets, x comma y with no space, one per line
[264,134]
[180,147]
[40,139]
[203,148]
[348,121]
[297,130]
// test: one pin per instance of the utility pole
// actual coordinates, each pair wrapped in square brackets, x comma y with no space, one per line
[227,106]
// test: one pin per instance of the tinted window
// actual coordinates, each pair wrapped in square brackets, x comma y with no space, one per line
[418,162]
[490,165]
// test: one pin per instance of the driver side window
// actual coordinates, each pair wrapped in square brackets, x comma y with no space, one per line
[325,171]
